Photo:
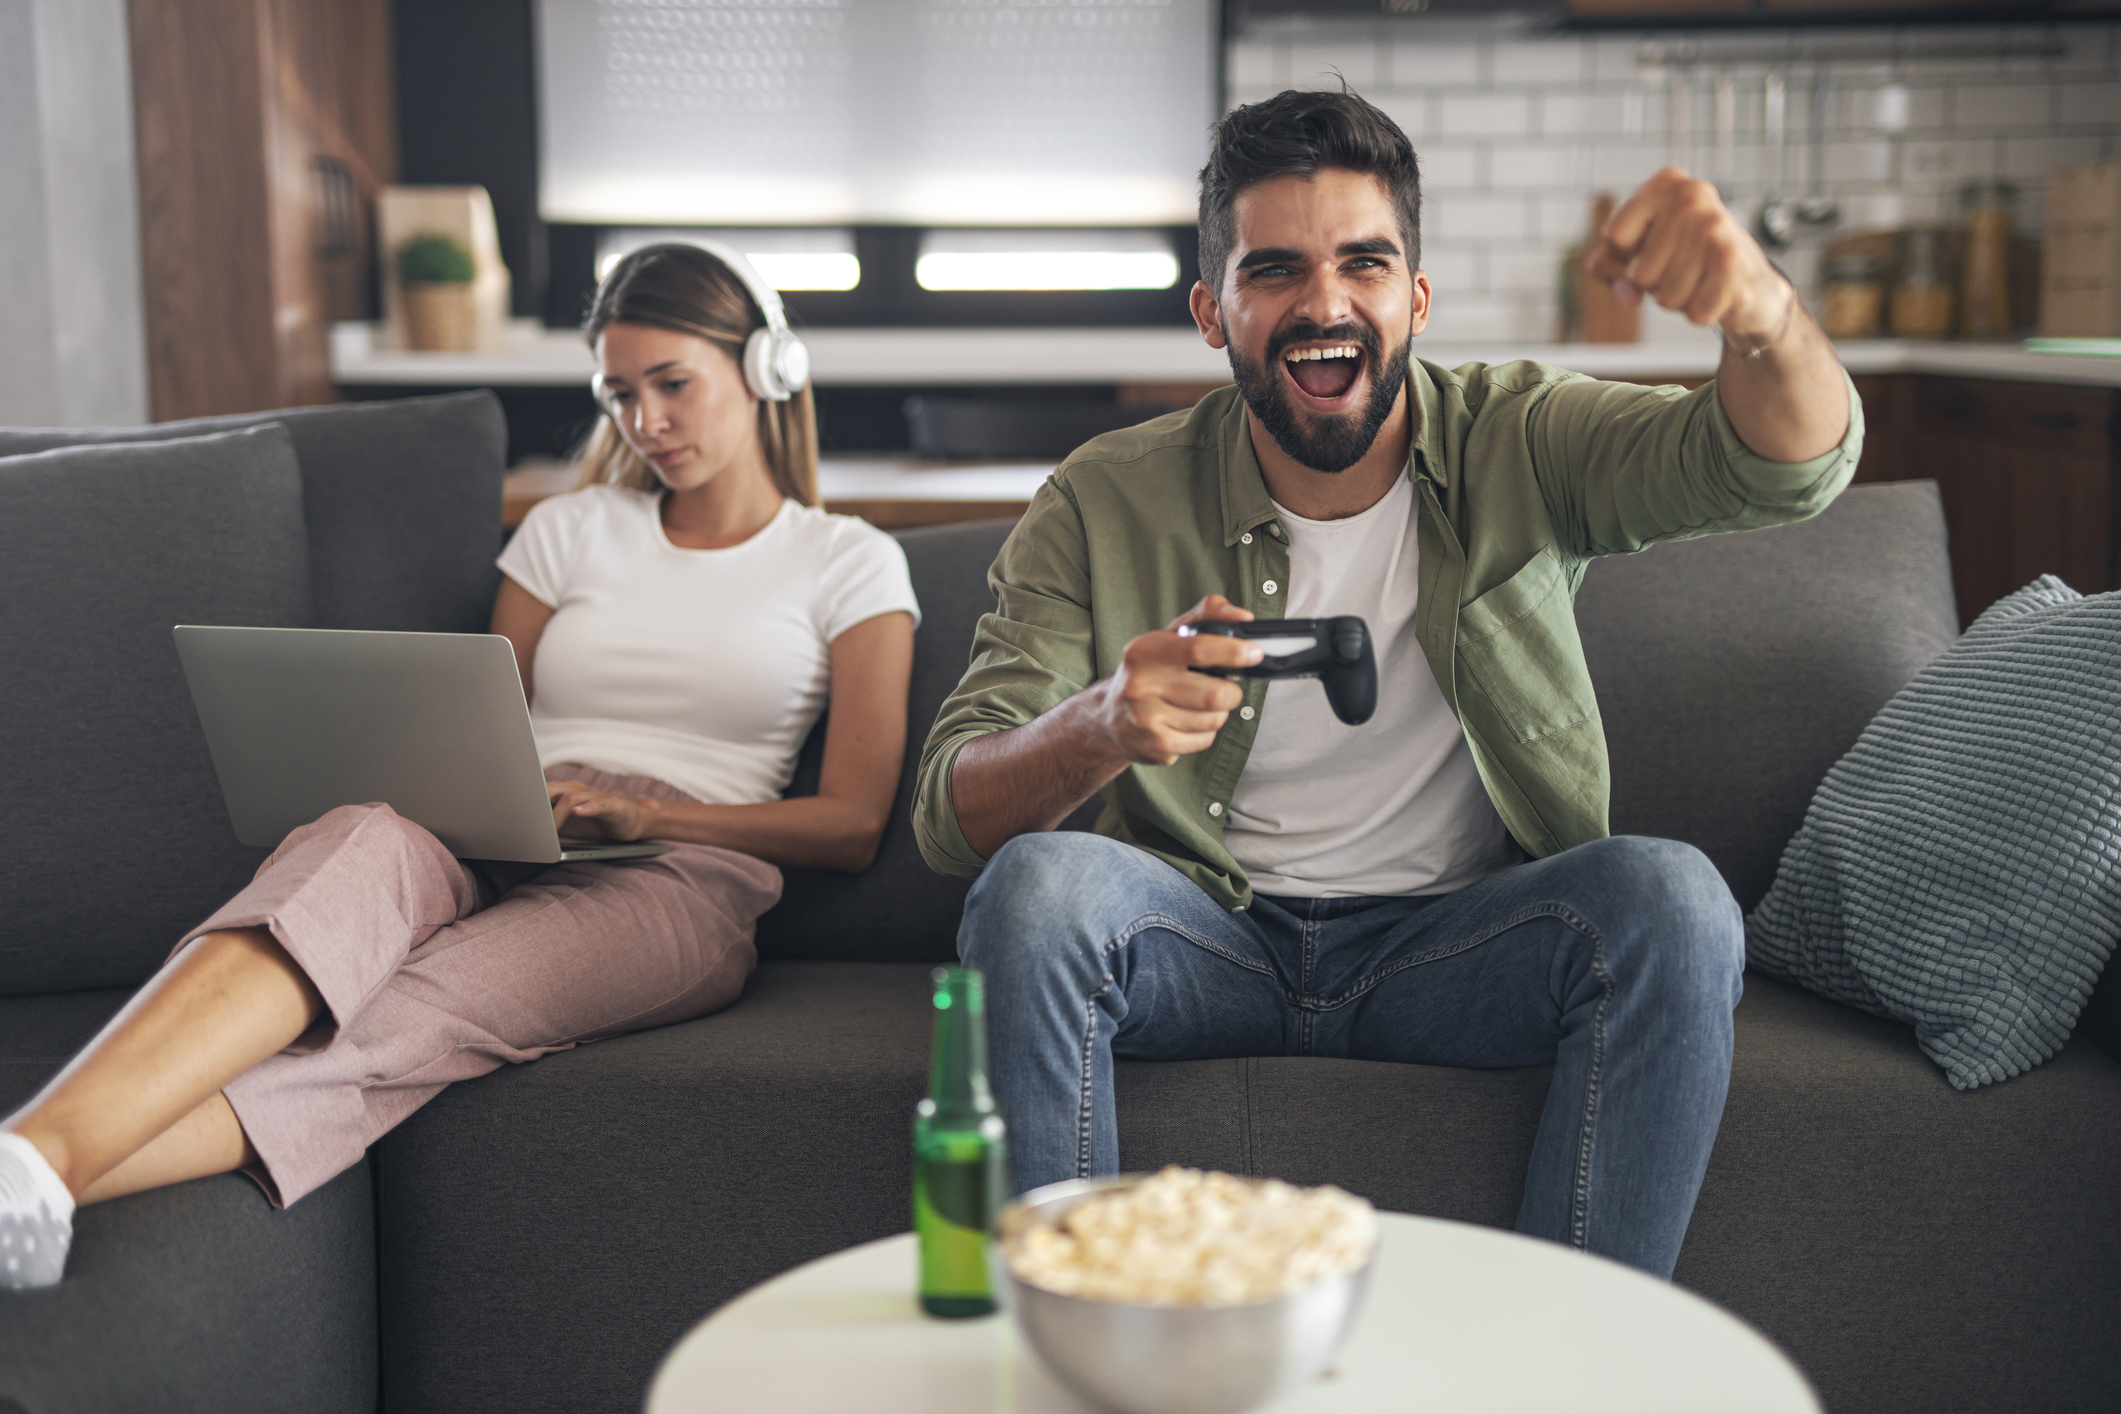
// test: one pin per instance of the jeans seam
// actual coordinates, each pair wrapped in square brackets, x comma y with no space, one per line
[1309,953]
[1522,916]
[1082,1107]
[1104,955]
[1580,1198]
[1167,922]
[1580,1187]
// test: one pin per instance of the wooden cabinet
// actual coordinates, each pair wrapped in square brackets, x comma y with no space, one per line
[264,129]
[2027,473]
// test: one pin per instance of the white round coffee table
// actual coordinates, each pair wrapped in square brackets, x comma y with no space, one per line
[1458,1318]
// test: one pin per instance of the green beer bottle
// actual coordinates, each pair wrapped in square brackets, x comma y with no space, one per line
[960,1155]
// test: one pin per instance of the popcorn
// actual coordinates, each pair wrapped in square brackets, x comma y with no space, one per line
[1188,1238]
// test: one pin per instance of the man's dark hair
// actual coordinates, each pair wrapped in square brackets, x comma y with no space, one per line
[1296,134]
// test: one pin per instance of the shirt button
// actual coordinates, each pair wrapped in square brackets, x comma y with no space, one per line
[1215,807]
[1270,586]
[1246,713]
[1246,538]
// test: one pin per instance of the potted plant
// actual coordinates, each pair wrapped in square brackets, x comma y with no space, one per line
[434,274]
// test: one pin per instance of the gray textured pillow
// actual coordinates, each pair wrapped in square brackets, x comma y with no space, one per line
[118,840]
[1960,868]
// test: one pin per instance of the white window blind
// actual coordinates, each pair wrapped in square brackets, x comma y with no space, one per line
[932,112]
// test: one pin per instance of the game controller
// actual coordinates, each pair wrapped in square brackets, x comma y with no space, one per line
[1336,651]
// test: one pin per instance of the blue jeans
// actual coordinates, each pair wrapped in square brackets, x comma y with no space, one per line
[1618,962]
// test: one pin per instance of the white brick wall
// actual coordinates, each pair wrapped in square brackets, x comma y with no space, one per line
[1516,135]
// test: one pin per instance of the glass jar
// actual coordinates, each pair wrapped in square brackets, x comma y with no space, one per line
[1855,296]
[1985,279]
[1922,299]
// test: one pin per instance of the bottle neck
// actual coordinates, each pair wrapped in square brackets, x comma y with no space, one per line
[957,1063]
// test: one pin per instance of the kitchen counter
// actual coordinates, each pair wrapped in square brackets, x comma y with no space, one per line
[539,357]
[892,491]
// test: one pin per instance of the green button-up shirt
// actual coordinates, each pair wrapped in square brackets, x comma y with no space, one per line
[1523,473]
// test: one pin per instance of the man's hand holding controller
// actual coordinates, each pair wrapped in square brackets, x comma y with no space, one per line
[1157,706]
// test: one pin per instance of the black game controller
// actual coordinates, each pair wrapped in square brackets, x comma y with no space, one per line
[1338,655]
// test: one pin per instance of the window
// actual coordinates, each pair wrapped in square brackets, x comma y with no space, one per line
[1046,260]
[1074,113]
[801,259]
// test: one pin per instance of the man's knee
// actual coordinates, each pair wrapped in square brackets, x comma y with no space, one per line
[1679,904]
[1041,876]
[1036,894]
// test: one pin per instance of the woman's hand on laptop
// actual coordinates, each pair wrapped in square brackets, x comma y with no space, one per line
[582,811]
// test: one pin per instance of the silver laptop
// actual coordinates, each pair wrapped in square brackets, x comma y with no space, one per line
[434,725]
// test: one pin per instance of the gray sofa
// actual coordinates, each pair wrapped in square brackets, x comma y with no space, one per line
[535,1240]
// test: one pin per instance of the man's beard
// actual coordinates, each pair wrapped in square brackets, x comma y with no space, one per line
[1331,443]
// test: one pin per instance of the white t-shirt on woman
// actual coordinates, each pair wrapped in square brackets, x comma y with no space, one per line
[703,668]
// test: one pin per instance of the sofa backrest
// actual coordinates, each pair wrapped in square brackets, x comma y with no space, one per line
[118,838]
[403,501]
[1732,671]
[898,910]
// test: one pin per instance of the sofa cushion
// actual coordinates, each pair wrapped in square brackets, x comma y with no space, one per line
[119,838]
[1914,1247]
[652,1177]
[194,1299]
[1960,868]
[1732,671]
[899,910]
[404,502]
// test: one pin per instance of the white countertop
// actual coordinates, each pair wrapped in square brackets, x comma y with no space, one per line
[538,357]
[841,479]
[905,479]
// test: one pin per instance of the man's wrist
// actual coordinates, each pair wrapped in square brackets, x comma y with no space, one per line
[1765,321]
[1093,733]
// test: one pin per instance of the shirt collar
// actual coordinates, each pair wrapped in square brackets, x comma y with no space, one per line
[1425,404]
[1245,502]
[1246,505]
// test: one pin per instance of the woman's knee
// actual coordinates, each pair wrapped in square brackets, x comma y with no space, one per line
[352,845]
[367,823]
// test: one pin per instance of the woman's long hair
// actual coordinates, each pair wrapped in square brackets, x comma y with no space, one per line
[683,288]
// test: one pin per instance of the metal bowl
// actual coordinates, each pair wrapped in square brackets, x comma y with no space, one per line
[1173,1359]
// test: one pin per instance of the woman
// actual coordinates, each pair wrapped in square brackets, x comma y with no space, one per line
[679,622]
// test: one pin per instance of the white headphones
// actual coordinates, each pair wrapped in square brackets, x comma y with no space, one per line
[775,363]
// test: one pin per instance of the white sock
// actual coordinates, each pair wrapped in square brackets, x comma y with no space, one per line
[36,1217]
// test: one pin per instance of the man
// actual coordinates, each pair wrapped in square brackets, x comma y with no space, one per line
[1436,885]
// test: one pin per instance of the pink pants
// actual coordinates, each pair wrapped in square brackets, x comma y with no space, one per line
[432,972]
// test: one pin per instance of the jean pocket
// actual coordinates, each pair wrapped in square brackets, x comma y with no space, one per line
[1519,643]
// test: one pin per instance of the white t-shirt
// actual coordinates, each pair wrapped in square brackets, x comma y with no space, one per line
[703,668]
[1389,808]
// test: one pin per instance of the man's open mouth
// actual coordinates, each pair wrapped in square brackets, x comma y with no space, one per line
[1324,374]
